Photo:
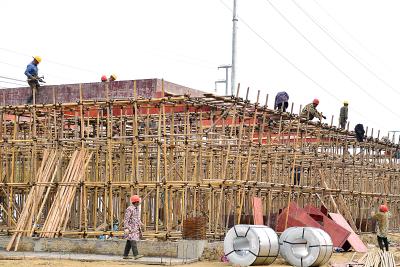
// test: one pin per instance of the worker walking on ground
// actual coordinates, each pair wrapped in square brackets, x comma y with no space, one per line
[132,228]
[32,73]
[382,218]
[281,101]
[310,111]
[343,115]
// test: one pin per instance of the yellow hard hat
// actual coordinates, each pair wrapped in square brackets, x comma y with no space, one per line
[114,76]
[37,58]
[345,102]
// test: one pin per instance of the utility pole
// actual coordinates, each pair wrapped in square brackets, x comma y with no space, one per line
[234,30]
[226,67]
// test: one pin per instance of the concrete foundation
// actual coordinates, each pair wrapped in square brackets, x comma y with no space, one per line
[182,249]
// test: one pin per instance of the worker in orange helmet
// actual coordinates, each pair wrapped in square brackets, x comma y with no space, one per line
[382,218]
[132,227]
[103,78]
[310,111]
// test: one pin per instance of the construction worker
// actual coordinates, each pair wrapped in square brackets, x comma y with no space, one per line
[112,78]
[382,218]
[281,101]
[103,78]
[132,227]
[310,111]
[360,132]
[343,115]
[32,74]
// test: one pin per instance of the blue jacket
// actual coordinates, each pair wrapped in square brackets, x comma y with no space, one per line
[31,70]
[281,97]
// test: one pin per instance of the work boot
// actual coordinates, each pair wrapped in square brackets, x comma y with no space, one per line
[127,257]
[138,257]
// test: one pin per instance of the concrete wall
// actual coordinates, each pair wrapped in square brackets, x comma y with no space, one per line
[182,249]
[66,93]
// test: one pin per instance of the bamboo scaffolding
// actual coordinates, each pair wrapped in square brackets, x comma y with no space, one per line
[186,156]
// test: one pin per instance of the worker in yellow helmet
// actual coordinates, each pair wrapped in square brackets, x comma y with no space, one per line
[32,73]
[344,114]
[112,78]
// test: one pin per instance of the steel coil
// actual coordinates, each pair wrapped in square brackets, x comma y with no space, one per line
[305,246]
[247,245]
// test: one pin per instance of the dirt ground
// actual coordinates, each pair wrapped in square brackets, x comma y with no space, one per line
[369,240]
[337,257]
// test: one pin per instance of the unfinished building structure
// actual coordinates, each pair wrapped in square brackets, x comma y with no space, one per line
[79,154]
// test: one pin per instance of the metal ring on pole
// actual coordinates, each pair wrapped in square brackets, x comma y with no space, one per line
[305,246]
[251,245]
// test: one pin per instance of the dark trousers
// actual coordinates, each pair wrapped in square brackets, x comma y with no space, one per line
[284,104]
[342,124]
[382,241]
[130,244]
[33,85]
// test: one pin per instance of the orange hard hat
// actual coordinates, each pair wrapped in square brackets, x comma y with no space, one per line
[383,208]
[316,101]
[104,78]
[135,198]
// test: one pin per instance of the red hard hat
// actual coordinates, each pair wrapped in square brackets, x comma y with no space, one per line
[104,78]
[383,208]
[316,101]
[135,198]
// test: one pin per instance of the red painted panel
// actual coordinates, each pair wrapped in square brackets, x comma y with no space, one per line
[297,217]
[338,234]
[353,238]
[257,211]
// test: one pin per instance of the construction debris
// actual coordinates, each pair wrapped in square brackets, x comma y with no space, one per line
[378,258]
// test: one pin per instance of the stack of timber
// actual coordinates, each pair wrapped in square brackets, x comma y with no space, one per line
[58,215]
[378,258]
[27,222]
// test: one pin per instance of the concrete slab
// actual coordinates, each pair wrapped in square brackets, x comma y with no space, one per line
[11,255]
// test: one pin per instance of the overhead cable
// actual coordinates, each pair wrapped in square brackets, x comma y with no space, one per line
[347,51]
[331,62]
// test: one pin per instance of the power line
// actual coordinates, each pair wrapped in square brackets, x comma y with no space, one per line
[47,73]
[283,56]
[345,49]
[51,61]
[291,63]
[331,62]
[13,83]
[348,33]
[12,79]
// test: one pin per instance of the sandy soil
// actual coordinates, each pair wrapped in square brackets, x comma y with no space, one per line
[338,257]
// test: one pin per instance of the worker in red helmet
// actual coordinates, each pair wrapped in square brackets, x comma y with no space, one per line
[310,111]
[382,218]
[103,78]
[132,227]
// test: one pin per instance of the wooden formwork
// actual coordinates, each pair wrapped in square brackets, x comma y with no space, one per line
[188,157]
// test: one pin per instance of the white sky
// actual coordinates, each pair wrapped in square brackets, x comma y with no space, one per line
[184,41]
